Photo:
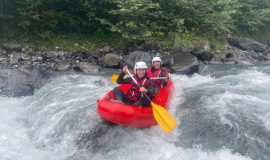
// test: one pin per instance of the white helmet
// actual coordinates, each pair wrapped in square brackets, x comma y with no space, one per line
[156,59]
[140,65]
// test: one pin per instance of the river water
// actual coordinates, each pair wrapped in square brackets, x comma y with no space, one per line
[218,119]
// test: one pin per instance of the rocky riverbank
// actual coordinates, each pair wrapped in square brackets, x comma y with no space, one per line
[24,69]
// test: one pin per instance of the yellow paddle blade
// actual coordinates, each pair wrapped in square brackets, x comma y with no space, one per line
[164,119]
[114,78]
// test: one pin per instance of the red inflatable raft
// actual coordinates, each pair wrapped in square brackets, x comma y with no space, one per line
[116,112]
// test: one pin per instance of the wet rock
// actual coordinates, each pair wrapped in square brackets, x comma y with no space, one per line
[95,54]
[14,59]
[203,52]
[132,58]
[40,59]
[53,54]
[136,56]
[244,62]
[167,59]
[22,81]
[106,49]
[230,55]
[112,60]
[246,44]
[87,68]
[62,66]
[12,47]
[205,56]
[185,63]
[25,57]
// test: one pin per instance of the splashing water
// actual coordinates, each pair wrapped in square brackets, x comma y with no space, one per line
[221,118]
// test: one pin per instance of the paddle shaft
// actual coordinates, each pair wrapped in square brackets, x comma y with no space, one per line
[138,84]
[158,78]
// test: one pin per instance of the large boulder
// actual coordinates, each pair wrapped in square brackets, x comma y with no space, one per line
[203,52]
[132,58]
[87,68]
[111,60]
[21,82]
[185,63]
[136,56]
[246,44]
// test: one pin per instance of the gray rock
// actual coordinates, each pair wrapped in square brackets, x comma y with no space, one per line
[40,59]
[185,63]
[14,59]
[52,54]
[88,68]
[62,66]
[136,56]
[229,61]
[112,60]
[167,59]
[12,47]
[107,49]
[246,44]
[25,57]
[21,82]
[95,54]
[203,52]
[244,62]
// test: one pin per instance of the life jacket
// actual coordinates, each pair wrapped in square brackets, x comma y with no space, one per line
[134,93]
[156,74]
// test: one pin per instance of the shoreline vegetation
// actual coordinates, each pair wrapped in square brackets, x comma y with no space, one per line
[93,24]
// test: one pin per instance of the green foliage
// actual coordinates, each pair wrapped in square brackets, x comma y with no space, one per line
[56,16]
[253,18]
[188,40]
[150,20]
[208,17]
[143,19]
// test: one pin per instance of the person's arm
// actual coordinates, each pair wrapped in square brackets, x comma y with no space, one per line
[121,80]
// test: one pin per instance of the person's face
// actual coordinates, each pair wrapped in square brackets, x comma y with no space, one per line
[141,72]
[156,64]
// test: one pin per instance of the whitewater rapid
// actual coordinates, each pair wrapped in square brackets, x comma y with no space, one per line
[218,119]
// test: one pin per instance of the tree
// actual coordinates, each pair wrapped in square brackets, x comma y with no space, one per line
[208,17]
[253,17]
[57,16]
[142,19]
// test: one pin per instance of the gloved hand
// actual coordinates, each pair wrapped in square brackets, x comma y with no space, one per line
[142,89]
[125,68]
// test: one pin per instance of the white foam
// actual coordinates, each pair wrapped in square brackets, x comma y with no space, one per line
[44,126]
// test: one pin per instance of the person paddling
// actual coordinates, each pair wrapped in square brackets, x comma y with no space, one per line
[158,74]
[135,94]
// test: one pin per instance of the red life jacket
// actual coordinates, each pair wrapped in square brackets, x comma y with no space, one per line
[133,93]
[157,73]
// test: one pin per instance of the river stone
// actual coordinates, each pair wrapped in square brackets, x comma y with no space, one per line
[88,68]
[185,63]
[136,56]
[246,44]
[12,47]
[62,66]
[112,60]
[55,54]
[25,57]
[22,81]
